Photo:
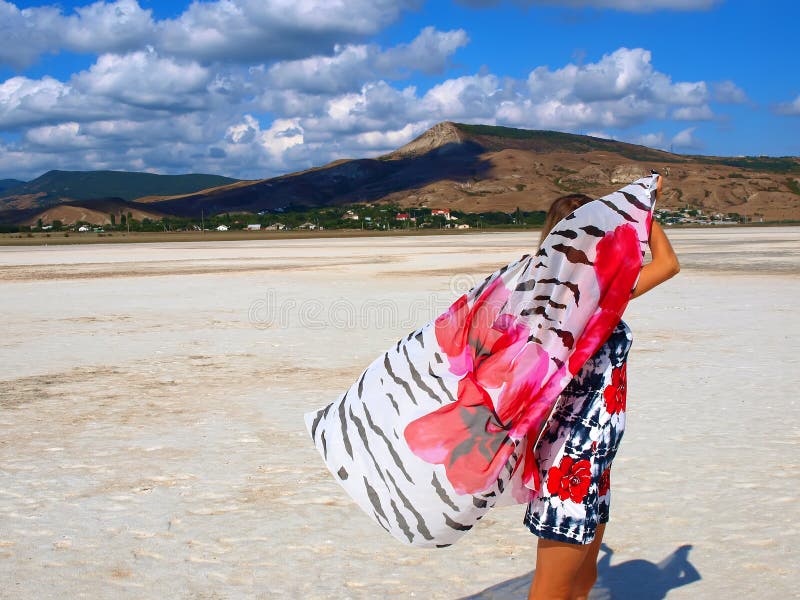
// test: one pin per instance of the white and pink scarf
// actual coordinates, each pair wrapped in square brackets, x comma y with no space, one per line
[440,428]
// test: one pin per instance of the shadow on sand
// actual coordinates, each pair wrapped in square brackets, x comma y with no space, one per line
[635,579]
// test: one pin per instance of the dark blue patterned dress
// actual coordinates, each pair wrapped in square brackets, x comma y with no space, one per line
[579,442]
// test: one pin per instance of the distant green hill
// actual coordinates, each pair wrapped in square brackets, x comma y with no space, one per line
[497,137]
[86,185]
[6,184]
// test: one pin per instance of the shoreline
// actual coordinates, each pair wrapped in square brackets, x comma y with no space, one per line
[74,238]
[771,251]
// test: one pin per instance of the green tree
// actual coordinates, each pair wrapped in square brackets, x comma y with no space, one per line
[39,222]
[123,220]
[113,218]
[57,225]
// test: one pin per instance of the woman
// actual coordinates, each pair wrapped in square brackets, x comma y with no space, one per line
[579,442]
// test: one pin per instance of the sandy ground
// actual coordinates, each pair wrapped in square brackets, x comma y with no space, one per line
[152,443]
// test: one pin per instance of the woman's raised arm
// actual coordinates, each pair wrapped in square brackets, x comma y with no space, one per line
[663,266]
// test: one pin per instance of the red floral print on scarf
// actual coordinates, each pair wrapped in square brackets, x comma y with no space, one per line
[618,261]
[489,351]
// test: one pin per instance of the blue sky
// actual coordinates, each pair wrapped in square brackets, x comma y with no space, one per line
[255,88]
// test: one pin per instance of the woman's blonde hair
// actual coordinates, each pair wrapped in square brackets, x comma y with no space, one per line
[559,209]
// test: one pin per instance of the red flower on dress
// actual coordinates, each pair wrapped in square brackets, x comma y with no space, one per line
[605,483]
[490,351]
[615,392]
[570,479]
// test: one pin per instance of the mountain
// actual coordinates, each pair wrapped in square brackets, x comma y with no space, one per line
[7,184]
[55,187]
[477,168]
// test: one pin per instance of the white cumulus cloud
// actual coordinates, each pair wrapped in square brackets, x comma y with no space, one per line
[252,30]
[652,140]
[99,27]
[686,140]
[693,113]
[221,30]
[729,93]
[31,102]
[147,80]
[282,135]
[789,108]
[351,65]
[107,27]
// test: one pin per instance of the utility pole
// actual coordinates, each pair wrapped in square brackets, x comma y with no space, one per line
[202,221]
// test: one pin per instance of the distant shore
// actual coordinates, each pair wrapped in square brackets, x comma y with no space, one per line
[58,238]
[117,237]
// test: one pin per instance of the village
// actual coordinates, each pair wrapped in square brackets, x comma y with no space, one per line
[689,216]
[290,218]
[402,220]
[376,217]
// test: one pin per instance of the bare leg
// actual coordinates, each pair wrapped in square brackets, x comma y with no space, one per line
[565,571]
[587,574]
[557,566]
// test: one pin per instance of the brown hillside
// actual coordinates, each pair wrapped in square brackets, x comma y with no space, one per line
[92,211]
[519,178]
[478,168]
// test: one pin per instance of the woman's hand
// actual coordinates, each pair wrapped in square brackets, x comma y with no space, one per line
[664,264]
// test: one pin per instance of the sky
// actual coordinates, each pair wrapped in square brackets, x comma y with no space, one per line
[257,88]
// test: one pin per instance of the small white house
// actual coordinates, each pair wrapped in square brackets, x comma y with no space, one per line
[254,227]
[462,226]
[84,228]
[222,228]
[350,215]
[275,226]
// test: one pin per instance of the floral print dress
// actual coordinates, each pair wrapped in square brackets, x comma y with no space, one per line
[578,444]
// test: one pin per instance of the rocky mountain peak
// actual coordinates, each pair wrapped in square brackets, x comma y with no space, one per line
[439,135]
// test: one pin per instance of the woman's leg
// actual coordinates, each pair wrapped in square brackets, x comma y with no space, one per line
[565,571]
[587,574]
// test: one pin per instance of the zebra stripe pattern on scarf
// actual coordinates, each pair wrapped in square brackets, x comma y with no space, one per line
[437,430]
